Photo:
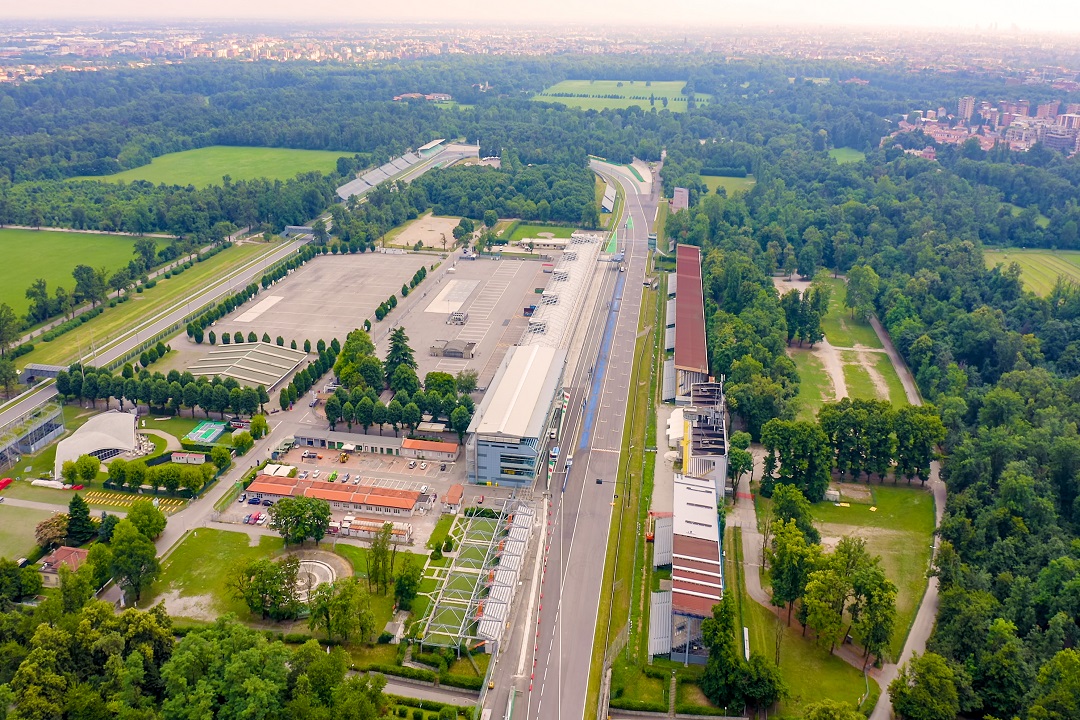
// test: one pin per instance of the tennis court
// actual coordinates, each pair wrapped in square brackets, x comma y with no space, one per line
[206,432]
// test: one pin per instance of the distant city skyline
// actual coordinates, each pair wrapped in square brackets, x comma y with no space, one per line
[1056,16]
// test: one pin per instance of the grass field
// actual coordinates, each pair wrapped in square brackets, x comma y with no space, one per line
[900,531]
[206,166]
[896,388]
[857,379]
[1040,219]
[522,231]
[732,185]
[603,94]
[846,155]
[840,328]
[1039,269]
[17,530]
[199,569]
[815,387]
[115,321]
[52,256]
[811,673]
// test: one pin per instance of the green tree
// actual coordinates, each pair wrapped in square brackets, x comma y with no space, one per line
[722,680]
[1056,694]
[220,457]
[147,518]
[243,442]
[363,411]
[789,504]
[51,531]
[823,599]
[134,564]
[269,588]
[791,560]
[798,453]
[831,710]
[459,421]
[924,689]
[862,288]
[762,684]
[378,415]
[9,376]
[259,427]
[333,410]
[88,467]
[9,327]
[80,527]
[407,584]
[466,381]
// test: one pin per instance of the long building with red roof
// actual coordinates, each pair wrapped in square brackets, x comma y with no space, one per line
[691,354]
[370,499]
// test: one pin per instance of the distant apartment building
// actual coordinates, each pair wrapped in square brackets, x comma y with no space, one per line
[1048,110]
[965,108]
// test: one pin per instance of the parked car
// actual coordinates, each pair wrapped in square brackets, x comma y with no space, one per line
[242,498]
[254,518]
[303,474]
[315,474]
[262,520]
[423,466]
[247,518]
[268,502]
[412,464]
[480,500]
[443,467]
[346,478]
[253,501]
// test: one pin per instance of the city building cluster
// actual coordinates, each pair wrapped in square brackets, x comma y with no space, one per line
[28,52]
[1016,123]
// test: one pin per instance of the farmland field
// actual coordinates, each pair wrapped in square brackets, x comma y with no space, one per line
[17,530]
[603,94]
[846,155]
[52,256]
[206,166]
[732,185]
[1039,269]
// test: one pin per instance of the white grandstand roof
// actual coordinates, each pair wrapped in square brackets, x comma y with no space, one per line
[107,431]
[521,393]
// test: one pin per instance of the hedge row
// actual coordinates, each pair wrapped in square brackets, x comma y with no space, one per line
[639,705]
[405,672]
[71,324]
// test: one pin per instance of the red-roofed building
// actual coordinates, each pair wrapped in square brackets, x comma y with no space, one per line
[691,355]
[368,499]
[429,450]
[452,499]
[690,543]
[64,555]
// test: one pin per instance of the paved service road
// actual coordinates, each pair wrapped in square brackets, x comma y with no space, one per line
[581,508]
[235,280]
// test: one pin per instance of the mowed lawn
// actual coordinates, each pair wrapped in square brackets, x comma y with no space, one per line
[900,531]
[732,185]
[52,256]
[17,530]
[844,155]
[815,387]
[604,94]
[523,231]
[1039,269]
[115,321]
[208,165]
[841,329]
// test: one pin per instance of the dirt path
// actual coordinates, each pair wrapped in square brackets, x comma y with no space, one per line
[834,368]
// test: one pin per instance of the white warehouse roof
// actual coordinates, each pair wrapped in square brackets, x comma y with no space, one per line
[521,393]
[107,431]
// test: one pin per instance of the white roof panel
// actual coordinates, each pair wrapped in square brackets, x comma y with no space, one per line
[521,392]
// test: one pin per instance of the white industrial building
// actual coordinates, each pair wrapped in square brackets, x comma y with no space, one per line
[104,436]
[506,438]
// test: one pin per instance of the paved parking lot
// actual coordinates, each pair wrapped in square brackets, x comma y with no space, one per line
[493,293]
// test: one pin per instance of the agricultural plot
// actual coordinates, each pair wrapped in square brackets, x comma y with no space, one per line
[431,231]
[207,166]
[1039,269]
[620,94]
[52,256]
[731,185]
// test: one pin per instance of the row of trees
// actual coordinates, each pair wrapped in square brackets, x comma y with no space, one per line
[854,437]
[157,390]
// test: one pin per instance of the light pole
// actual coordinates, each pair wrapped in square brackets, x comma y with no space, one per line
[626,482]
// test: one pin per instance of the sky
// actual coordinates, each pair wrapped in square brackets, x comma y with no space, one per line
[1059,16]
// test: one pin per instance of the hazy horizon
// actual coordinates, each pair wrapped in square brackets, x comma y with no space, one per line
[1053,16]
